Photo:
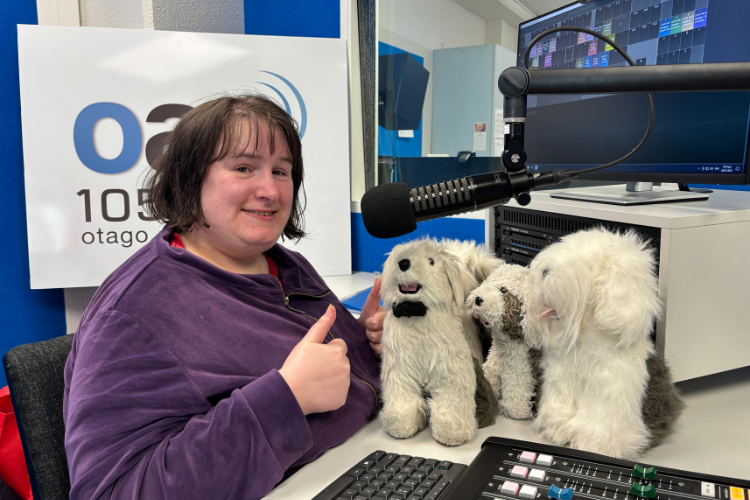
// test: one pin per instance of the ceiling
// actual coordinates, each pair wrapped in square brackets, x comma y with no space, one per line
[512,11]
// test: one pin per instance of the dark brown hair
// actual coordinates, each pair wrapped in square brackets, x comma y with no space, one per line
[209,133]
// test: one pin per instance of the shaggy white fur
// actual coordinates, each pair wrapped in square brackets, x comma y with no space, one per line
[593,302]
[427,370]
[512,365]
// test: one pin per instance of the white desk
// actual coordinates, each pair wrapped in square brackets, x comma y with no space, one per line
[712,437]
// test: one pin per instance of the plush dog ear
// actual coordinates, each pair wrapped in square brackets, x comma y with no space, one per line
[460,279]
[625,289]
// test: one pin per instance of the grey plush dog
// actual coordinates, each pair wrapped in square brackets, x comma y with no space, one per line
[512,366]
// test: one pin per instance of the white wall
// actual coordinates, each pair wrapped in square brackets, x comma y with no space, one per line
[421,26]
[205,16]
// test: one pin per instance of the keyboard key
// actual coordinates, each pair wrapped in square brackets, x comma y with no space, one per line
[401,477]
[527,457]
[393,469]
[528,492]
[393,485]
[416,461]
[367,477]
[509,488]
[377,484]
[377,455]
[425,468]
[430,463]
[519,472]
[444,465]
[419,474]
[368,493]
[359,485]
[403,460]
[421,492]
[355,472]
[367,463]
[349,494]
[385,476]
[408,469]
[435,476]
[544,460]
[428,483]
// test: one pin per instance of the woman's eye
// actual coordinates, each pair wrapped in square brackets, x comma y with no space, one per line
[242,170]
[280,172]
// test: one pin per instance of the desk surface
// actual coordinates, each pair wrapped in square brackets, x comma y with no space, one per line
[712,437]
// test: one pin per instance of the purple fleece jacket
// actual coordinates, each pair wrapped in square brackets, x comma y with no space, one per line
[172,389]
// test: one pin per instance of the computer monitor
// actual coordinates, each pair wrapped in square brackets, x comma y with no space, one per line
[698,137]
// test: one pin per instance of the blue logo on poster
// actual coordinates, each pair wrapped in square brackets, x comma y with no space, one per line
[83,137]
[132,135]
[297,95]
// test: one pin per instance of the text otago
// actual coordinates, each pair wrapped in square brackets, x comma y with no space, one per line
[124,238]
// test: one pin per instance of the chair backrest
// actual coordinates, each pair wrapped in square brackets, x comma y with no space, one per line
[35,378]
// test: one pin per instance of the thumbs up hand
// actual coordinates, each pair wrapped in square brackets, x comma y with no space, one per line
[318,373]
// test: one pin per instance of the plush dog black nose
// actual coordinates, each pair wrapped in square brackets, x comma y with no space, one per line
[478,301]
[404,264]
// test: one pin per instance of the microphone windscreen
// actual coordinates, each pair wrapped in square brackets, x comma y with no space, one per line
[387,211]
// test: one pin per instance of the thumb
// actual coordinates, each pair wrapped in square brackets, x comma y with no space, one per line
[317,333]
[373,300]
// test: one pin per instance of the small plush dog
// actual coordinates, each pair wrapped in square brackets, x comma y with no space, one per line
[431,365]
[512,366]
[593,301]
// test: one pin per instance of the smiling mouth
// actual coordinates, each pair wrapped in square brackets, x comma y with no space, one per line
[409,288]
[258,212]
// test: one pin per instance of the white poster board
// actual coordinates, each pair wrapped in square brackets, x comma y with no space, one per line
[85,96]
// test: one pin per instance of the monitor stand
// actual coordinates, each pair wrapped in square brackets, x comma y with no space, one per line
[635,193]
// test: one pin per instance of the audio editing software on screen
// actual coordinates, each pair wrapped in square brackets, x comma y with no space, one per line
[652,32]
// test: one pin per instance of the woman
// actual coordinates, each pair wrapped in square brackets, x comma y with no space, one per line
[200,368]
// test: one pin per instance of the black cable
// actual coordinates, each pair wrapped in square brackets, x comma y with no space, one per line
[573,172]
[388,132]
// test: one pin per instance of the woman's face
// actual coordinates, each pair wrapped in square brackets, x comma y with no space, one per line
[246,197]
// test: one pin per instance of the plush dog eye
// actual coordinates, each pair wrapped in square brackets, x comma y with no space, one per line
[545,272]
[432,262]
[503,290]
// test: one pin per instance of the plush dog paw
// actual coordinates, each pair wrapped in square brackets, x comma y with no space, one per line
[453,433]
[516,412]
[403,424]
[618,443]
[451,428]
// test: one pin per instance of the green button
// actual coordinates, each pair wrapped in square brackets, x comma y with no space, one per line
[643,490]
[644,472]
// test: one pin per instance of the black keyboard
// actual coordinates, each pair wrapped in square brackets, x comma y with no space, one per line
[390,476]
[509,469]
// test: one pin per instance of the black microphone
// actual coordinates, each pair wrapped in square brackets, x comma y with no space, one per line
[393,209]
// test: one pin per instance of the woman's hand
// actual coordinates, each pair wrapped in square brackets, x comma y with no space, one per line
[372,317]
[318,373]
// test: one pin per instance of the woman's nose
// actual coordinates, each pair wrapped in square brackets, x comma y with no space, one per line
[266,186]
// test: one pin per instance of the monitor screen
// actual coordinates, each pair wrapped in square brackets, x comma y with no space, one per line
[698,137]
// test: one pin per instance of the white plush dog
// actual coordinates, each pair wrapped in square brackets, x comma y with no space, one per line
[512,366]
[592,306]
[429,340]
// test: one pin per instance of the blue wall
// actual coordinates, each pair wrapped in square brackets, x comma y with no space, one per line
[369,253]
[314,18]
[27,315]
